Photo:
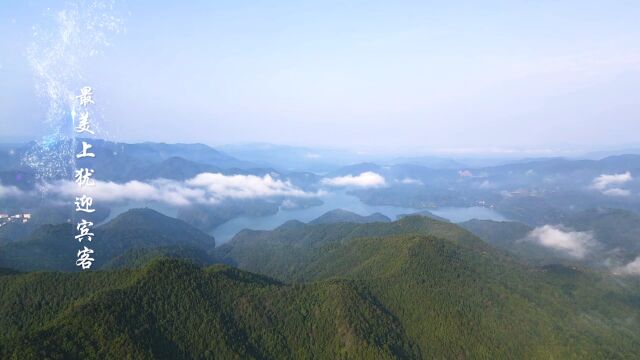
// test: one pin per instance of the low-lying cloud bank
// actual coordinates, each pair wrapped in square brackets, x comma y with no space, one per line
[367,179]
[632,268]
[616,192]
[576,244]
[9,191]
[608,184]
[410,181]
[205,188]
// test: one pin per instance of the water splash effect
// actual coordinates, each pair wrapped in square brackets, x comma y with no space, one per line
[60,56]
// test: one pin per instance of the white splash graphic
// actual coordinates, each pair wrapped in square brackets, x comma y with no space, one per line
[60,56]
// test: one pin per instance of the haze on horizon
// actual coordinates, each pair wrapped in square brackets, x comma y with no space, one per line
[536,76]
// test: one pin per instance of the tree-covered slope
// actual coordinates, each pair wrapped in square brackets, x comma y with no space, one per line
[416,288]
[174,310]
[340,215]
[281,252]
[454,296]
[139,257]
[468,303]
[500,234]
[53,247]
[615,235]
[612,228]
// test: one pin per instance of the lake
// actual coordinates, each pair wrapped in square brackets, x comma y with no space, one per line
[342,200]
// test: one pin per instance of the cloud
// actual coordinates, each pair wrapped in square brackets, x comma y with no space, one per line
[313,156]
[573,243]
[9,191]
[367,179]
[603,182]
[205,188]
[616,192]
[494,151]
[410,181]
[245,186]
[632,268]
[486,185]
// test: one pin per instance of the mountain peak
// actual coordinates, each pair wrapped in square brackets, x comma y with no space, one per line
[152,221]
[341,215]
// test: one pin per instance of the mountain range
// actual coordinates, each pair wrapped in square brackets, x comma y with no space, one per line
[413,288]
[53,247]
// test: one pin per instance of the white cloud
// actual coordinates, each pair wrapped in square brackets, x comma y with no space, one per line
[9,191]
[632,268]
[365,180]
[205,188]
[494,151]
[245,186]
[410,181]
[616,192]
[486,185]
[605,180]
[465,173]
[573,243]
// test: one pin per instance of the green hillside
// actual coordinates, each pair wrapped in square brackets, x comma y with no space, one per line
[453,294]
[285,250]
[340,215]
[501,234]
[139,257]
[613,228]
[53,247]
[616,233]
[416,288]
[174,310]
[455,300]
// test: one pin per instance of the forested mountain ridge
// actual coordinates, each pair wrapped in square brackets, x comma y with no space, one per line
[53,247]
[481,301]
[613,233]
[416,288]
[174,310]
[280,251]
[340,215]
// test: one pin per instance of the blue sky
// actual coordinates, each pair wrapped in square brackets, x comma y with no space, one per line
[413,76]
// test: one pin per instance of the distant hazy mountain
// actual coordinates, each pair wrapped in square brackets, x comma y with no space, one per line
[207,218]
[501,234]
[356,169]
[615,233]
[431,162]
[344,216]
[425,213]
[617,230]
[292,158]
[122,162]
[157,152]
[596,155]
[535,192]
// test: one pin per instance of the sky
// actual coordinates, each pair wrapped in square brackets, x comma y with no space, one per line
[413,76]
